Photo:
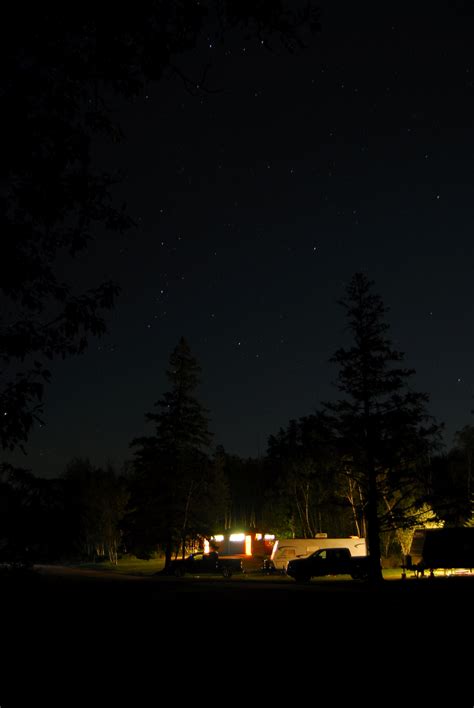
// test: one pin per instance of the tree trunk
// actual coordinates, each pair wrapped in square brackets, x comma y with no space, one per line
[373,531]
[351,499]
[168,555]
[469,474]
[185,519]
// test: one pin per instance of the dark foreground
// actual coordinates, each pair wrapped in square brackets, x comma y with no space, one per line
[61,598]
[76,628]
[59,590]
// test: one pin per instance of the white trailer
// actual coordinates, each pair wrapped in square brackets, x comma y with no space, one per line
[286,549]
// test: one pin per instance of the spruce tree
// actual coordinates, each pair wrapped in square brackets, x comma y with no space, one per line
[181,423]
[172,467]
[381,424]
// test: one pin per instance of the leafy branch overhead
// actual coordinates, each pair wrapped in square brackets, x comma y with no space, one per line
[65,67]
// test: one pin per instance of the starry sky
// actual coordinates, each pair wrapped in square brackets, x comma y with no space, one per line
[255,201]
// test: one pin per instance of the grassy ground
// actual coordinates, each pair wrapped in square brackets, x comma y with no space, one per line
[129,565]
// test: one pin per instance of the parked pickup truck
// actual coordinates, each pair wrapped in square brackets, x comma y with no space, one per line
[200,563]
[328,561]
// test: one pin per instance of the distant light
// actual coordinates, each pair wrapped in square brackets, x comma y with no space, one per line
[258,536]
[237,537]
[206,546]
[269,537]
[218,538]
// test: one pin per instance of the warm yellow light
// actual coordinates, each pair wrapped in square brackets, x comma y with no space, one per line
[237,537]
[258,536]
[248,545]
[206,546]
[269,537]
[219,538]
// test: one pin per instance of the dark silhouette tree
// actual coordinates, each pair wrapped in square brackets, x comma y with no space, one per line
[245,479]
[449,480]
[64,69]
[33,524]
[18,532]
[464,440]
[174,479]
[301,458]
[96,501]
[307,495]
[381,424]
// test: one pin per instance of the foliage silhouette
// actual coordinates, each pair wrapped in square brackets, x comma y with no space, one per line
[380,423]
[65,66]
[177,493]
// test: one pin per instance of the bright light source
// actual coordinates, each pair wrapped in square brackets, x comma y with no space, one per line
[206,546]
[237,537]
[219,538]
[269,537]
[258,536]
[248,545]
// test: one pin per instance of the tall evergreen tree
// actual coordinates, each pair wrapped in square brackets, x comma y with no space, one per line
[173,472]
[182,423]
[381,423]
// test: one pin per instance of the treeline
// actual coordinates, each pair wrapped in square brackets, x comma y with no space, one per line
[87,513]
[77,516]
[369,464]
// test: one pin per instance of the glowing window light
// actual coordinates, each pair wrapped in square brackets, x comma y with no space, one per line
[248,545]
[258,536]
[237,537]
[219,538]
[269,537]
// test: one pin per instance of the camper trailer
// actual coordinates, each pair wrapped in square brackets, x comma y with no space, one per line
[450,548]
[286,549]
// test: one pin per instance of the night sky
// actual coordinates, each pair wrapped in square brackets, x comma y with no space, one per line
[256,201]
